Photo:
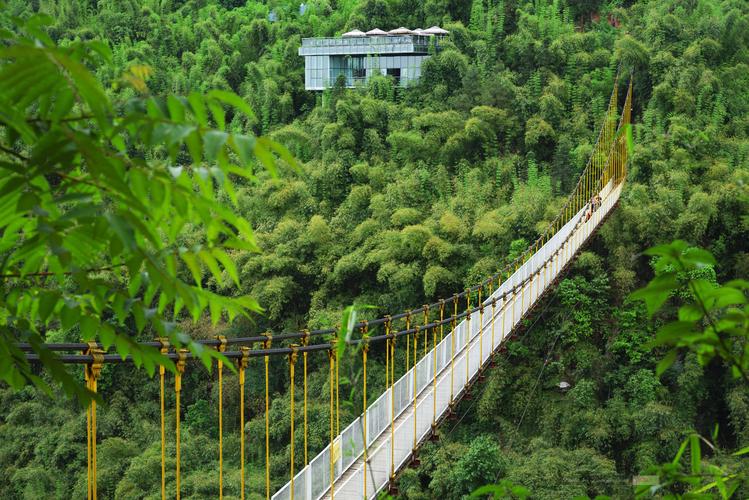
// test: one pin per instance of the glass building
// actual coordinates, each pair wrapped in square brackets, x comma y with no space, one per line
[360,57]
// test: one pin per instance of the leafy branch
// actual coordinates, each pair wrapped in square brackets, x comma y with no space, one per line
[712,322]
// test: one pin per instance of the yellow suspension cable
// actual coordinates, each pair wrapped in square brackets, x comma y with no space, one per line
[221,348]
[332,423]
[514,301]
[426,330]
[452,347]
[408,339]
[481,328]
[387,356]
[416,340]
[91,373]
[434,373]
[494,307]
[292,362]
[442,317]
[388,323]
[305,342]
[337,392]
[266,345]
[89,484]
[162,371]
[181,363]
[244,363]
[365,349]
[504,310]
[468,331]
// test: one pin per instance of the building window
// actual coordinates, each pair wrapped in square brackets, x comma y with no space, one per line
[395,73]
[354,69]
[358,70]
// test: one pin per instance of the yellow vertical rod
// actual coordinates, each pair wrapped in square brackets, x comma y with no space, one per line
[244,362]
[221,348]
[305,342]
[468,332]
[442,317]
[331,359]
[387,357]
[481,328]
[408,339]
[391,346]
[514,301]
[89,484]
[416,341]
[266,345]
[94,480]
[163,432]
[426,330]
[452,347]
[162,372]
[504,313]
[292,363]
[434,375]
[91,375]
[337,395]
[181,362]
[364,404]
[494,309]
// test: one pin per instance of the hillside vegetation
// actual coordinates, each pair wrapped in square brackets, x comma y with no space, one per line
[407,195]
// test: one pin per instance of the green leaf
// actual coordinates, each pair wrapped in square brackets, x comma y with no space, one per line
[192,264]
[215,308]
[48,300]
[742,451]
[665,363]
[673,249]
[282,152]
[89,328]
[679,453]
[213,141]
[228,264]
[27,201]
[69,316]
[698,257]
[87,86]
[738,284]
[675,331]
[726,296]
[106,335]
[176,108]
[198,109]
[218,115]
[232,99]
[690,312]
[245,148]
[210,262]
[695,454]
[102,49]
[657,292]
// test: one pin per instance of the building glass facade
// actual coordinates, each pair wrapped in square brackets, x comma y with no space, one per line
[359,58]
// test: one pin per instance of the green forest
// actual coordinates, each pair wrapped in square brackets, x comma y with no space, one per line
[382,196]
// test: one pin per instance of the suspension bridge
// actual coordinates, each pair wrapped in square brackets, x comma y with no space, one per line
[443,356]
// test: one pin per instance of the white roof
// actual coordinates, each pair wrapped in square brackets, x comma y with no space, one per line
[436,30]
[376,32]
[401,31]
[353,33]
